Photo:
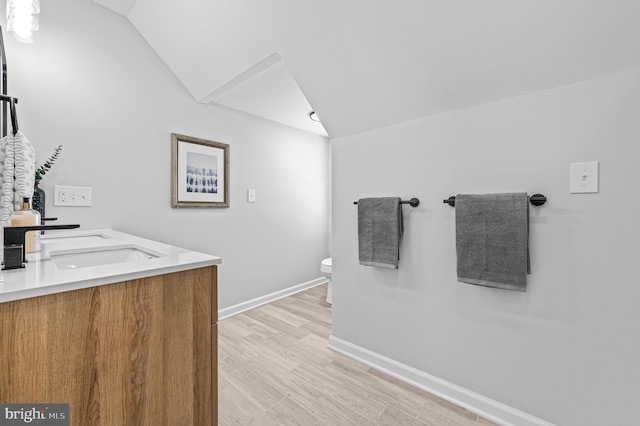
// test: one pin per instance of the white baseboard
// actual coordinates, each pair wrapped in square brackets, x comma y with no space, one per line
[258,301]
[489,409]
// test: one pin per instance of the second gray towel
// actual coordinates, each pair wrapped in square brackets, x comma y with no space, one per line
[492,240]
[379,231]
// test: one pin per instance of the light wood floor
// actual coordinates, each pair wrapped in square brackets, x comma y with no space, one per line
[275,369]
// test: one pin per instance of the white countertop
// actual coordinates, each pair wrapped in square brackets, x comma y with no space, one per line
[41,276]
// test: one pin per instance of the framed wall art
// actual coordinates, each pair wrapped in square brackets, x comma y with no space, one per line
[199,172]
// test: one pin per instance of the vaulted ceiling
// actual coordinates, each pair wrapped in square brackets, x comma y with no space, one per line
[367,64]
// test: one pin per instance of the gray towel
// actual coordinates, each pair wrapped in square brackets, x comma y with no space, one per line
[492,240]
[379,231]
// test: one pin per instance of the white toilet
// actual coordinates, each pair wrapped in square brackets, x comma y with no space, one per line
[325,268]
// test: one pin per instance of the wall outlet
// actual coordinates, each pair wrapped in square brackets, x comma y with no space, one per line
[72,196]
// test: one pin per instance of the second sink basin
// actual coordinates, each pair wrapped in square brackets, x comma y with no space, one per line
[96,256]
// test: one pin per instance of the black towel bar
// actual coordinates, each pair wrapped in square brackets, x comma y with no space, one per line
[535,199]
[414,202]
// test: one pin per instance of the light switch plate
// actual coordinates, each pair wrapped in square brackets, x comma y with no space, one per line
[584,177]
[251,195]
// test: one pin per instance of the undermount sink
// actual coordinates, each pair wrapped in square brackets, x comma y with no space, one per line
[96,256]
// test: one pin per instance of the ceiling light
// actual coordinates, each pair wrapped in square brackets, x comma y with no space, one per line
[22,19]
[314,116]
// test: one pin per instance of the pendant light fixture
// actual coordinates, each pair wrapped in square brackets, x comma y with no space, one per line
[22,19]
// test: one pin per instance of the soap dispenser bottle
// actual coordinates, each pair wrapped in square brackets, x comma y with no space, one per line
[26,216]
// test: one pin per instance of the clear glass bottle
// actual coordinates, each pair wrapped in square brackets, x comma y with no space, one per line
[26,216]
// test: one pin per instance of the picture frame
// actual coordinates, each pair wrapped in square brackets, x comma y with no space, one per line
[199,172]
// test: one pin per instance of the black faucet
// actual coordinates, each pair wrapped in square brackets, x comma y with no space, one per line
[14,246]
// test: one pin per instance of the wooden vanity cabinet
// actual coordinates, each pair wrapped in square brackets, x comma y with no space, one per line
[139,352]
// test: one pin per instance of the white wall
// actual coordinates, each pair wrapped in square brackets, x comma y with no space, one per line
[92,84]
[566,351]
